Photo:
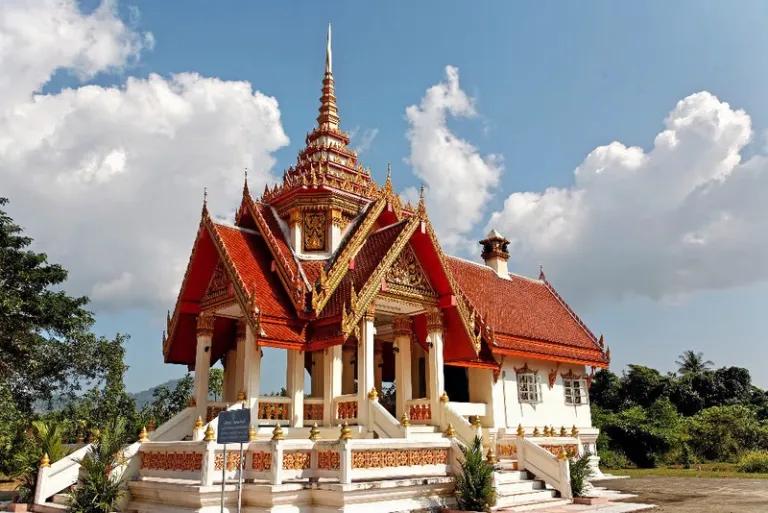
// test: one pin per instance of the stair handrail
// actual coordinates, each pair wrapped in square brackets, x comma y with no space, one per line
[383,423]
[544,465]
[465,431]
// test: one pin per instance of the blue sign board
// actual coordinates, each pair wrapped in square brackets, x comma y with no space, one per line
[234,427]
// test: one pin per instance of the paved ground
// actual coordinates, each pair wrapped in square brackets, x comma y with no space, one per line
[696,495]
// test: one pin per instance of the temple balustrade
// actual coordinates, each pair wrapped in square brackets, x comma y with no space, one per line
[313,409]
[345,409]
[419,411]
[279,461]
[213,409]
[274,410]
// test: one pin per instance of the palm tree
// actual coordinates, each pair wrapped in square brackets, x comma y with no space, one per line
[693,363]
[43,438]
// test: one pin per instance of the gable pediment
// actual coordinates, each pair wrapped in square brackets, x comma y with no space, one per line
[219,289]
[407,277]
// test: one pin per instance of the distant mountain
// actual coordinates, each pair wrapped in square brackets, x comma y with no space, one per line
[144,397]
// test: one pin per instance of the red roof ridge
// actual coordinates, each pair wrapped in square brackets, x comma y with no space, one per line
[238,228]
[389,226]
[570,311]
[486,268]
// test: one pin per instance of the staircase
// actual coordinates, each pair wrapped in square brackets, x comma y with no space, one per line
[519,491]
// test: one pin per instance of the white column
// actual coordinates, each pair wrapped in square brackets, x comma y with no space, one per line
[378,370]
[294,223]
[335,221]
[230,360]
[436,375]
[347,370]
[365,356]
[331,381]
[401,327]
[203,361]
[317,374]
[295,382]
[253,371]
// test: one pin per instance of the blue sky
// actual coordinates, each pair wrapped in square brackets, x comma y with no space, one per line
[550,81]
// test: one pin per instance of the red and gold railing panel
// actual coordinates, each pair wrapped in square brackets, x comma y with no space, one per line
[271,409]
[213,411]
[313,409]
[346,409]
[419,411]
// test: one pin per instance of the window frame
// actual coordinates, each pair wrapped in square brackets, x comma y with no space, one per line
[532,380]
[570,392]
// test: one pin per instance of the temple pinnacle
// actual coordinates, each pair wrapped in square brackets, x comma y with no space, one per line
[328,53]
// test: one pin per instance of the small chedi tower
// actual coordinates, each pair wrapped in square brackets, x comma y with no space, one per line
[394,352]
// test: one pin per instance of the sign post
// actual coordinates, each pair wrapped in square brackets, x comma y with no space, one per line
[234,428]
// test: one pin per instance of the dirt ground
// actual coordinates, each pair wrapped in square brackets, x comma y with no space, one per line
[696,495]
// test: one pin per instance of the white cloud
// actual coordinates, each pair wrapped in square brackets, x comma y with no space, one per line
[366,139]
[686,215]
[458,179]
[109,180]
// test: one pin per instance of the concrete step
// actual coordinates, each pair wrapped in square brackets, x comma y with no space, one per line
[532,506]
[516,487]
[512,476]
[417,428]
[49,507]
[61,498]
[527,497]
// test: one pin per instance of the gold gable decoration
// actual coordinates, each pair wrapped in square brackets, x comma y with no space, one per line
[314,231]
[219,288]
[407,277]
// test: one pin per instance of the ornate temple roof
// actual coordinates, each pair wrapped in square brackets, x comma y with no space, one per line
[304,301]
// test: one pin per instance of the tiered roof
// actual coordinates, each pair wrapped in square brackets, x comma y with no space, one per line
[305,303]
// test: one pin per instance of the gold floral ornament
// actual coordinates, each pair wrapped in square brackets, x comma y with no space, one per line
[563,432]
[251,433]
[210,434]
[277,433]
[574,431]
[373,395]
[490,457]
[520,431]
[45,462]
[404,420]
[241,397]
[450,432]
[314,433]
[143,437]
[444,397]
[314,231]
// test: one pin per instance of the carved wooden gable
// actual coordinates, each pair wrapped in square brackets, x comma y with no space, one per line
[219,289]
[407,277]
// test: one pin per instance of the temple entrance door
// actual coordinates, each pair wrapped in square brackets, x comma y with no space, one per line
[457,383]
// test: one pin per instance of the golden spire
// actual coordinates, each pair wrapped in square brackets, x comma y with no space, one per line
[329,116]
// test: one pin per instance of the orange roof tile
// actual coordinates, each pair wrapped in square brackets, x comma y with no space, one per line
[522,310]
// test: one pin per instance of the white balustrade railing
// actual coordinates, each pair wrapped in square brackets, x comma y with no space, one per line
[470,409]
[382,422]
[465,431]
[278,461]
[419,411]
[313,410]
[274,410]
[345,409]
[540,461]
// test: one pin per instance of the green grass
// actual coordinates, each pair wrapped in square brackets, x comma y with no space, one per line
[722,472]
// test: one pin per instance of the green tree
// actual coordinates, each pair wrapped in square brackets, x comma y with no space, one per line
[605,391]
[691,362]
[45,438]
[724,433]
[643,386]
[216,383]
[168,402]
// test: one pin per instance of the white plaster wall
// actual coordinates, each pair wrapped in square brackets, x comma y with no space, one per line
[552,410]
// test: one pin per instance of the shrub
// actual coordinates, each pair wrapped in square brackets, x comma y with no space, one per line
[581,471]
[474,486]
[613,459]
[43,438]
[723,433]
[754,462]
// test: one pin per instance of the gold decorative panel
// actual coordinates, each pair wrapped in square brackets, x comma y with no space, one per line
[407,276]
[399,458]
[261,461]
[177,461]
[328,460]
[219,289]
[314,231]
[297,460]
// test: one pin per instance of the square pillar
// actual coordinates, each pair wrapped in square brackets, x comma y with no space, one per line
[436,382]
[203,361]
[317,374]
[401,327]
[347,370]
[295,382]
[331,381]
[294,224]
[252,373]
[335,223]
[365,357]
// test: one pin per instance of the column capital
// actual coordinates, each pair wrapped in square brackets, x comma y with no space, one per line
[241,330]
[434,320]
[401,326]
[335,217]
[205,322]
[294,218]
[370,312]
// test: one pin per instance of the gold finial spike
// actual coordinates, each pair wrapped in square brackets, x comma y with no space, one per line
[199,423]
[444,397]
[205,200]
[277,433]
[389,170]
[373,395]
[562,455]
[575,431]
[346,433]
[476,422]
[404,420]
[520,431]
[210,434]
[314,433]
[251,433]
[151,425]
[143,437]
[536,432]
[241,397]
[450,432]
[45,461]
[246,191]
[490,456]
[328,52]
[563,431]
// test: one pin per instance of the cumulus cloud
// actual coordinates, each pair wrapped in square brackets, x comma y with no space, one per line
[459,180]
[109,180]
[366,140]
[687,215]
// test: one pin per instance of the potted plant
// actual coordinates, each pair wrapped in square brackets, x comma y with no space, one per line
[581,471]
[474,485]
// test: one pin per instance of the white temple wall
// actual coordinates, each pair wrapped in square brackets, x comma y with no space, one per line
[551,410]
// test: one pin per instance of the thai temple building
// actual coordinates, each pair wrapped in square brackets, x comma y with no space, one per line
[335,270]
